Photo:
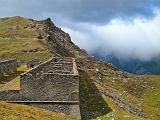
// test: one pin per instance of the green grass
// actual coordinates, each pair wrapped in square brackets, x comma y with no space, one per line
[92,101]
[21,49]
[22,112]
[19,42]
[117,113]
[14,26]
[151,97]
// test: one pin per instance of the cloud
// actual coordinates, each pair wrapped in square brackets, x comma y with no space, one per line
[96,11]
[125,28]
[139,39]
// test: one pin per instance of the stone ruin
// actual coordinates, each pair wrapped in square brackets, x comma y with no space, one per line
[52,85]
[7,67]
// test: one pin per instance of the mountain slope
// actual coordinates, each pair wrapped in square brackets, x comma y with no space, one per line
[27,39]
[41,40]
[18,42]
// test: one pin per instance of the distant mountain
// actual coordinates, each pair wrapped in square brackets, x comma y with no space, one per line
[133,66]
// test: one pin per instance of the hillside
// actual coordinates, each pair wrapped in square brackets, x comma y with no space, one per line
[27,39]
[105,91]
[18,112]
[18,42]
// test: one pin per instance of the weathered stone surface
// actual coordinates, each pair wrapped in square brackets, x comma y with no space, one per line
[12,95]
[51,87]
[55,81]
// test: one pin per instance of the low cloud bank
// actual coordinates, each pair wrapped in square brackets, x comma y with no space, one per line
[139,39]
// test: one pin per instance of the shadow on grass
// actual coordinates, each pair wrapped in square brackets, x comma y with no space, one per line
[9,77]
[92,104]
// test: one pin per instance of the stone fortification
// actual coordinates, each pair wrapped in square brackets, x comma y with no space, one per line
[52,85]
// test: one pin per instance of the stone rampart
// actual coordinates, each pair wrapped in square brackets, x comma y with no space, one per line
[55,81]
[51,87]
[51,84]
[11,95]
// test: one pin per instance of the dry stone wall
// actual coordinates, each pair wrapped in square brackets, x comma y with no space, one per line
[12,95]
[54,80]
[7,66]
[52,85]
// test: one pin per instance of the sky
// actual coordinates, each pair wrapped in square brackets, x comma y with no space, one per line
[127,29]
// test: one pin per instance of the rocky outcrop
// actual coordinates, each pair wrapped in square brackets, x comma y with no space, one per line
[57,40]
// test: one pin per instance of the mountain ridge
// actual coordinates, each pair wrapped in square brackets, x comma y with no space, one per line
[44,38]
[133,66]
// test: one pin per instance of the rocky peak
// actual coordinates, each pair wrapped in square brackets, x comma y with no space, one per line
[57,40]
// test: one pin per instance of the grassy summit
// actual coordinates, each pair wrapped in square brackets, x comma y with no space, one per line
[16,41]
[15,27]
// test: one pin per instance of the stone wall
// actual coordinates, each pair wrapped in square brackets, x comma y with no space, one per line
[54,80]
[51,87]
[7,66]
[12,95]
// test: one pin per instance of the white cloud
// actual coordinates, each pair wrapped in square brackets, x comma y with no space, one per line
[85,21]
[139,39]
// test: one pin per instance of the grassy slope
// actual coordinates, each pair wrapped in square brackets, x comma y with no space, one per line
[20,43]
[95,106]
[23,112]
[14,26]
[151,97]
